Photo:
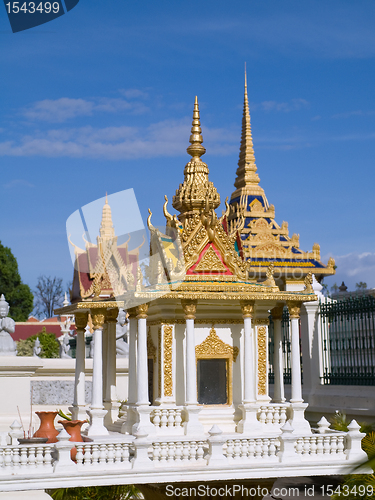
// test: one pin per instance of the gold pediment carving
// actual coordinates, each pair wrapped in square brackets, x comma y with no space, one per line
[270,250]
[210,262]
[256,206]
[214,347]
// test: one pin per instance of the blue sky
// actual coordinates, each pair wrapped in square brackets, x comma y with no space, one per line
[101,100]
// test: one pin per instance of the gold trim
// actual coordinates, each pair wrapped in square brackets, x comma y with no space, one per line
[261,321]
[294,309]
[189,307]
[213,347]
[208,321]
[247,308]
[168,380]
[262,361]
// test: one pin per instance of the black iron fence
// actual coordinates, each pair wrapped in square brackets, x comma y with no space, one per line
[285,338]
[348,341]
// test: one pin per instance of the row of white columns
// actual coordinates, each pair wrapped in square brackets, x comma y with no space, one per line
[138,363]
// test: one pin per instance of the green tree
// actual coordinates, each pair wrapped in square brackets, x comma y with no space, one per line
[361,285]
[48,342]
[17,294]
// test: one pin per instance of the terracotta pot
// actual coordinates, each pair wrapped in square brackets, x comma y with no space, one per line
[73,427]
[47,428]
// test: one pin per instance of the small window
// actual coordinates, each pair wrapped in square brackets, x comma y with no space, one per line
[212,381]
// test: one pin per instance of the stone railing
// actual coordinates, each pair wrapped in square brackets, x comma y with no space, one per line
[167,418]
[23,459]
[164,453]
[91,454]
[273,414]
[259,448]
[321,444]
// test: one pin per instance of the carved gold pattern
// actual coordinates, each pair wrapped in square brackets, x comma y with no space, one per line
[151,349]
[141,311]
[159,362]
[247,308]
[262,361]
[81,320]
[294,309]
[98,319]
[208,321]
[214,347]
[210,262]
[261,321]
[197,192]
[189,307]
[167,344]
[308,283]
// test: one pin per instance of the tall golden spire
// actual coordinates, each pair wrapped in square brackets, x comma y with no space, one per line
[197,192]
[247,181]
[107,231]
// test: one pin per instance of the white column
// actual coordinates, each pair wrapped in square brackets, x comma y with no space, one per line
[191,370]
[296,393]
[97,412]
[249,362]
[249,424]
[79,403]
[132,375]
[142,361]
[192,425]
[278,360]
[110,395]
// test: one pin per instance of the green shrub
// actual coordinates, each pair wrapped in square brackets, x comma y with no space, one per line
[125,492]
[50,347]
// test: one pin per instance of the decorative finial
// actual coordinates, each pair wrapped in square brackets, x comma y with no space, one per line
[66,301]
[196,149]
[107,230]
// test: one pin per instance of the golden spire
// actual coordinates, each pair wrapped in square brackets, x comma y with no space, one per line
[247,181]
[196,149]
[107,230]
[197,192]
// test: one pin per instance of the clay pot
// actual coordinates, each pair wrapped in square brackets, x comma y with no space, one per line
[47,428]
[73,428]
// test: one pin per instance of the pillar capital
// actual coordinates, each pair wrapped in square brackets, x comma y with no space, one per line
[132,312]
[277,312]
[81,320]
[294,309]
[141,311]
[189,306]
[111,315]
[247,308]
[98,318]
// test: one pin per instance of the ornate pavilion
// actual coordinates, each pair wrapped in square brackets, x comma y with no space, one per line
[198,406]
[198,346]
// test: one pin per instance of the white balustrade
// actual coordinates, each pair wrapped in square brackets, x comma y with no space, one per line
[94,454]
[251,449]
[23,458]
[321,445]
[167,418]
[273,414]
[178,452]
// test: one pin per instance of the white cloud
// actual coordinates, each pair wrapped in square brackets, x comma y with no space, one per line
[17,183]
[58,110]
[165,138]
[286,107]
[65,108]
[354,267]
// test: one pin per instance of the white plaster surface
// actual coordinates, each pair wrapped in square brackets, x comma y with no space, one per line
[25,495]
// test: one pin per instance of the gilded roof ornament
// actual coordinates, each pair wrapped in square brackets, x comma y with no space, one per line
[247,181]
[196,193]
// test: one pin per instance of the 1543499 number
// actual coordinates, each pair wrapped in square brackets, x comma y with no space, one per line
[32,7]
